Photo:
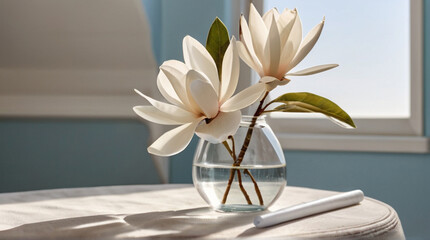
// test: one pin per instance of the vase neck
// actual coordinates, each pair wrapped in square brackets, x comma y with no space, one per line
[247,120]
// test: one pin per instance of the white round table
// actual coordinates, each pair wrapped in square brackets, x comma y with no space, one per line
[177,211]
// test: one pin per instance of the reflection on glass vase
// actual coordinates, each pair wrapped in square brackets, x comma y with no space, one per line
[246,181]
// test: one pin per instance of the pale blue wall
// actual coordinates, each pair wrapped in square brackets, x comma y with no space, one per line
[401,180]
[58,153]
[170,23]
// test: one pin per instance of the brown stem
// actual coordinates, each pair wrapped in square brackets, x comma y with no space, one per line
[239,160]
[257,189]
[232,171]
[251,130]
[239,178]
[227,190]
[232,154]
[233,148]
[246,142]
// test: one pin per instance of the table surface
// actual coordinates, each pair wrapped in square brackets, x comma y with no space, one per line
[171,211]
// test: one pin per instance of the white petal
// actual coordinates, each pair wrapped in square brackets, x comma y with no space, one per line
[198,58]
[244,98]
[165,107]
[295,35]
[258,31]
[174,141]
[230,72]
[205,96]
[192,76]
[245,37]
[287,55]
[272,82]
[218,130]
[272,50]
[313,70]
[166,89]
[307,44]
[177,80]
[178,65]
[268,79]
[246,57]
[270,85]
[152,114]
[285,24]
[267,17]
[174,72]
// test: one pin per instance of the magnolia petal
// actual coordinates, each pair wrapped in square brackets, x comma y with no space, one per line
[176,71]
[205,96]
[307,44]
[192,76]
[246,57]
[273,84]
[152,114]
[244,98]
[285,24]
[170,82]
[267,17]
[166,89]
[272,50]
[175,140]
[268,79]
[286,56]
[313,70]
[258,31]
[295,35]
[165,107]
[176,79]
[218,130]
[179,66]
[230,72]
[198,58]
[245,37]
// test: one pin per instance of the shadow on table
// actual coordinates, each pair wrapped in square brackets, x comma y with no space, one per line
[42,195]
[187,223]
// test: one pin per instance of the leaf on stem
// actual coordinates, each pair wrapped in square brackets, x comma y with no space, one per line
[308,102]
[217,43]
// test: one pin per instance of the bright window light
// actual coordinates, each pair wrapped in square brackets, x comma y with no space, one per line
[370,40]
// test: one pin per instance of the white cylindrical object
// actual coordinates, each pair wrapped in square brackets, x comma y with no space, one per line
[306,209]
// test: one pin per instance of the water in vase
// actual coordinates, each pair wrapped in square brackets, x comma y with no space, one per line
[212,180]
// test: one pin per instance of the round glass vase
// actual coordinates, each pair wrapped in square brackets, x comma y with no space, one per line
[251,183]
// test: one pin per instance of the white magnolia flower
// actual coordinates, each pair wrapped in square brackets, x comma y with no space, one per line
[272,45]
[200,101]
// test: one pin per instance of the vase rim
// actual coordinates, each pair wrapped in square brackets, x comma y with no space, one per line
[247,119]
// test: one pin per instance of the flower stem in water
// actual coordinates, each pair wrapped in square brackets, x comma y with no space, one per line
[257,189]
[238,161]
[232,172]
[239,178]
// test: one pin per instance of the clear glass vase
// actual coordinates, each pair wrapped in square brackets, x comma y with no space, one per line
[251,183]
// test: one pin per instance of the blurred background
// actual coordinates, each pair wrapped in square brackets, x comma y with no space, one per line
[66,96]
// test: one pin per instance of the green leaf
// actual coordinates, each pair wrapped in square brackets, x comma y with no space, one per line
[308,102]
[217,43]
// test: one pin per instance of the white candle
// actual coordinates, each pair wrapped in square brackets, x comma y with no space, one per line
[306,209]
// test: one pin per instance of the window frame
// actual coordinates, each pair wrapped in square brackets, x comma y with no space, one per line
[372,134]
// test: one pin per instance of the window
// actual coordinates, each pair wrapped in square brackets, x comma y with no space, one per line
[378,45]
